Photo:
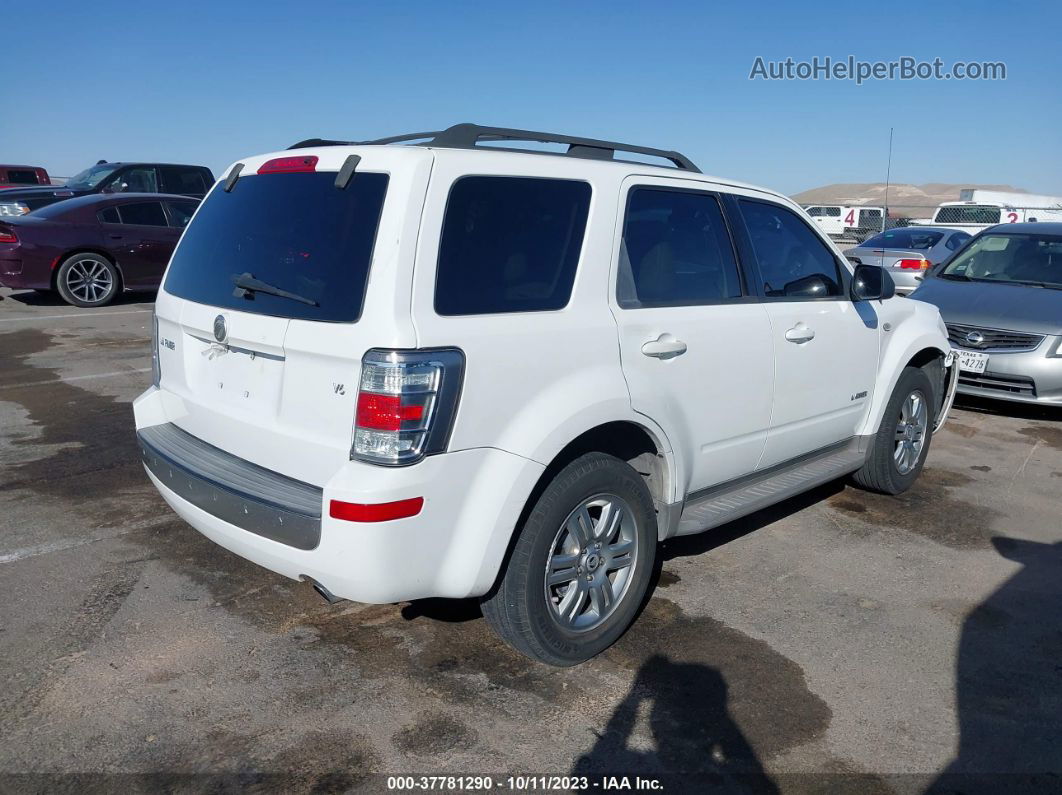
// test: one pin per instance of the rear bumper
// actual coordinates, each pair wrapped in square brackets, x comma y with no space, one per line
[453,548]
[15,275]
[905,280]
[236,491]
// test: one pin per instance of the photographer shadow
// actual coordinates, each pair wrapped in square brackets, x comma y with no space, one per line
[693,732]
[1009,681]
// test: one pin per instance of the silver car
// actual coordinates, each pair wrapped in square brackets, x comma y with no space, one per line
[908,251]
[1001,299]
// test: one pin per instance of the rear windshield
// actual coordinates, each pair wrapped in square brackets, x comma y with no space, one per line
[22,177]
[907,238]
[296,232]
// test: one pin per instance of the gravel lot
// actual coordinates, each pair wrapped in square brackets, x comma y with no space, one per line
[838,641]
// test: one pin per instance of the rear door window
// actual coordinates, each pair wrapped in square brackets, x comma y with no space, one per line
[182,180]
[297,232]
[143,214]
[510,244]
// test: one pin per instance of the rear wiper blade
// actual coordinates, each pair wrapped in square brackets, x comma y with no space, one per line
[247,284]
[1045,285]
[959,277]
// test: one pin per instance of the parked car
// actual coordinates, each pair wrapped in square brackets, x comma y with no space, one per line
[906,252]
[104,177]
[557,361]
[20,176]
[1001,298]
[91,248]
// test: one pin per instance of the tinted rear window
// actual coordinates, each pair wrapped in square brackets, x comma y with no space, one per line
[510,244]
[22,177]
[143,214]
[297,232]
[908,238]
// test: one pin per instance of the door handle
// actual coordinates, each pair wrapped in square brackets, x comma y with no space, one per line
[115,237]
[664,347]
[800,334]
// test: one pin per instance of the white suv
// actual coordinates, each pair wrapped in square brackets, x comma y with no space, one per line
[453,369]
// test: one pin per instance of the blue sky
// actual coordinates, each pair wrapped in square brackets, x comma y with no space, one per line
[210,82]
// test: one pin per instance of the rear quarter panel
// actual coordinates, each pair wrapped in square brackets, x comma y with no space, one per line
[533,381]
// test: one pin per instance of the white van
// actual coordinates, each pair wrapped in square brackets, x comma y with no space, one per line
[454,370]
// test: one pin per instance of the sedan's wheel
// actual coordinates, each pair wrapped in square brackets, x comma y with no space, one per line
[901,444]
[87,280]
[580,564]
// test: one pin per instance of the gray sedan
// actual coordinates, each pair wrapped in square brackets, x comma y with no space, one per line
[907,252]
[1001,299]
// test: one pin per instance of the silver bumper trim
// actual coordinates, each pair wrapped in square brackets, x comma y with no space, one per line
[951,375]
[243,494]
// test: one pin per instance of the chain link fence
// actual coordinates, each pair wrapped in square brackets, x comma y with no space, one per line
[858,223]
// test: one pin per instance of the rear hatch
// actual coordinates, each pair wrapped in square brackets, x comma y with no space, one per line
[273,378]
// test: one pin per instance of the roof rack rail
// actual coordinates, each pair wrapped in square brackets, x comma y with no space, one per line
[468,136]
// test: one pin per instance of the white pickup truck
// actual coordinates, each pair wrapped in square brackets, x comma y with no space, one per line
[841,221]
[979,209]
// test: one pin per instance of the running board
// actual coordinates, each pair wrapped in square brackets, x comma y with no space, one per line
[718,505]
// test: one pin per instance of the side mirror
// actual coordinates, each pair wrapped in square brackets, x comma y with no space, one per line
[871,282]
[853,260]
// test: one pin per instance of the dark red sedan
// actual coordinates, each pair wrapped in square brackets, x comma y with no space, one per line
[92,247]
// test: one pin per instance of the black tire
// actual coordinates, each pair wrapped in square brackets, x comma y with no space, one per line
[87,280]
[881,472]
[517,608]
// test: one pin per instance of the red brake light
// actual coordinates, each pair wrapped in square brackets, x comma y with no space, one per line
[7,236]
[914,264]
[386,412]
[289,165]
[379,512]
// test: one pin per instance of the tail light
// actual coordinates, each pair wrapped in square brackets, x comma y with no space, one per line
[914,264]
[8,235]
[406,404]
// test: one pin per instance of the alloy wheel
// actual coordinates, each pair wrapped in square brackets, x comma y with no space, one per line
[89,280]
[911,430]
[591,563]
